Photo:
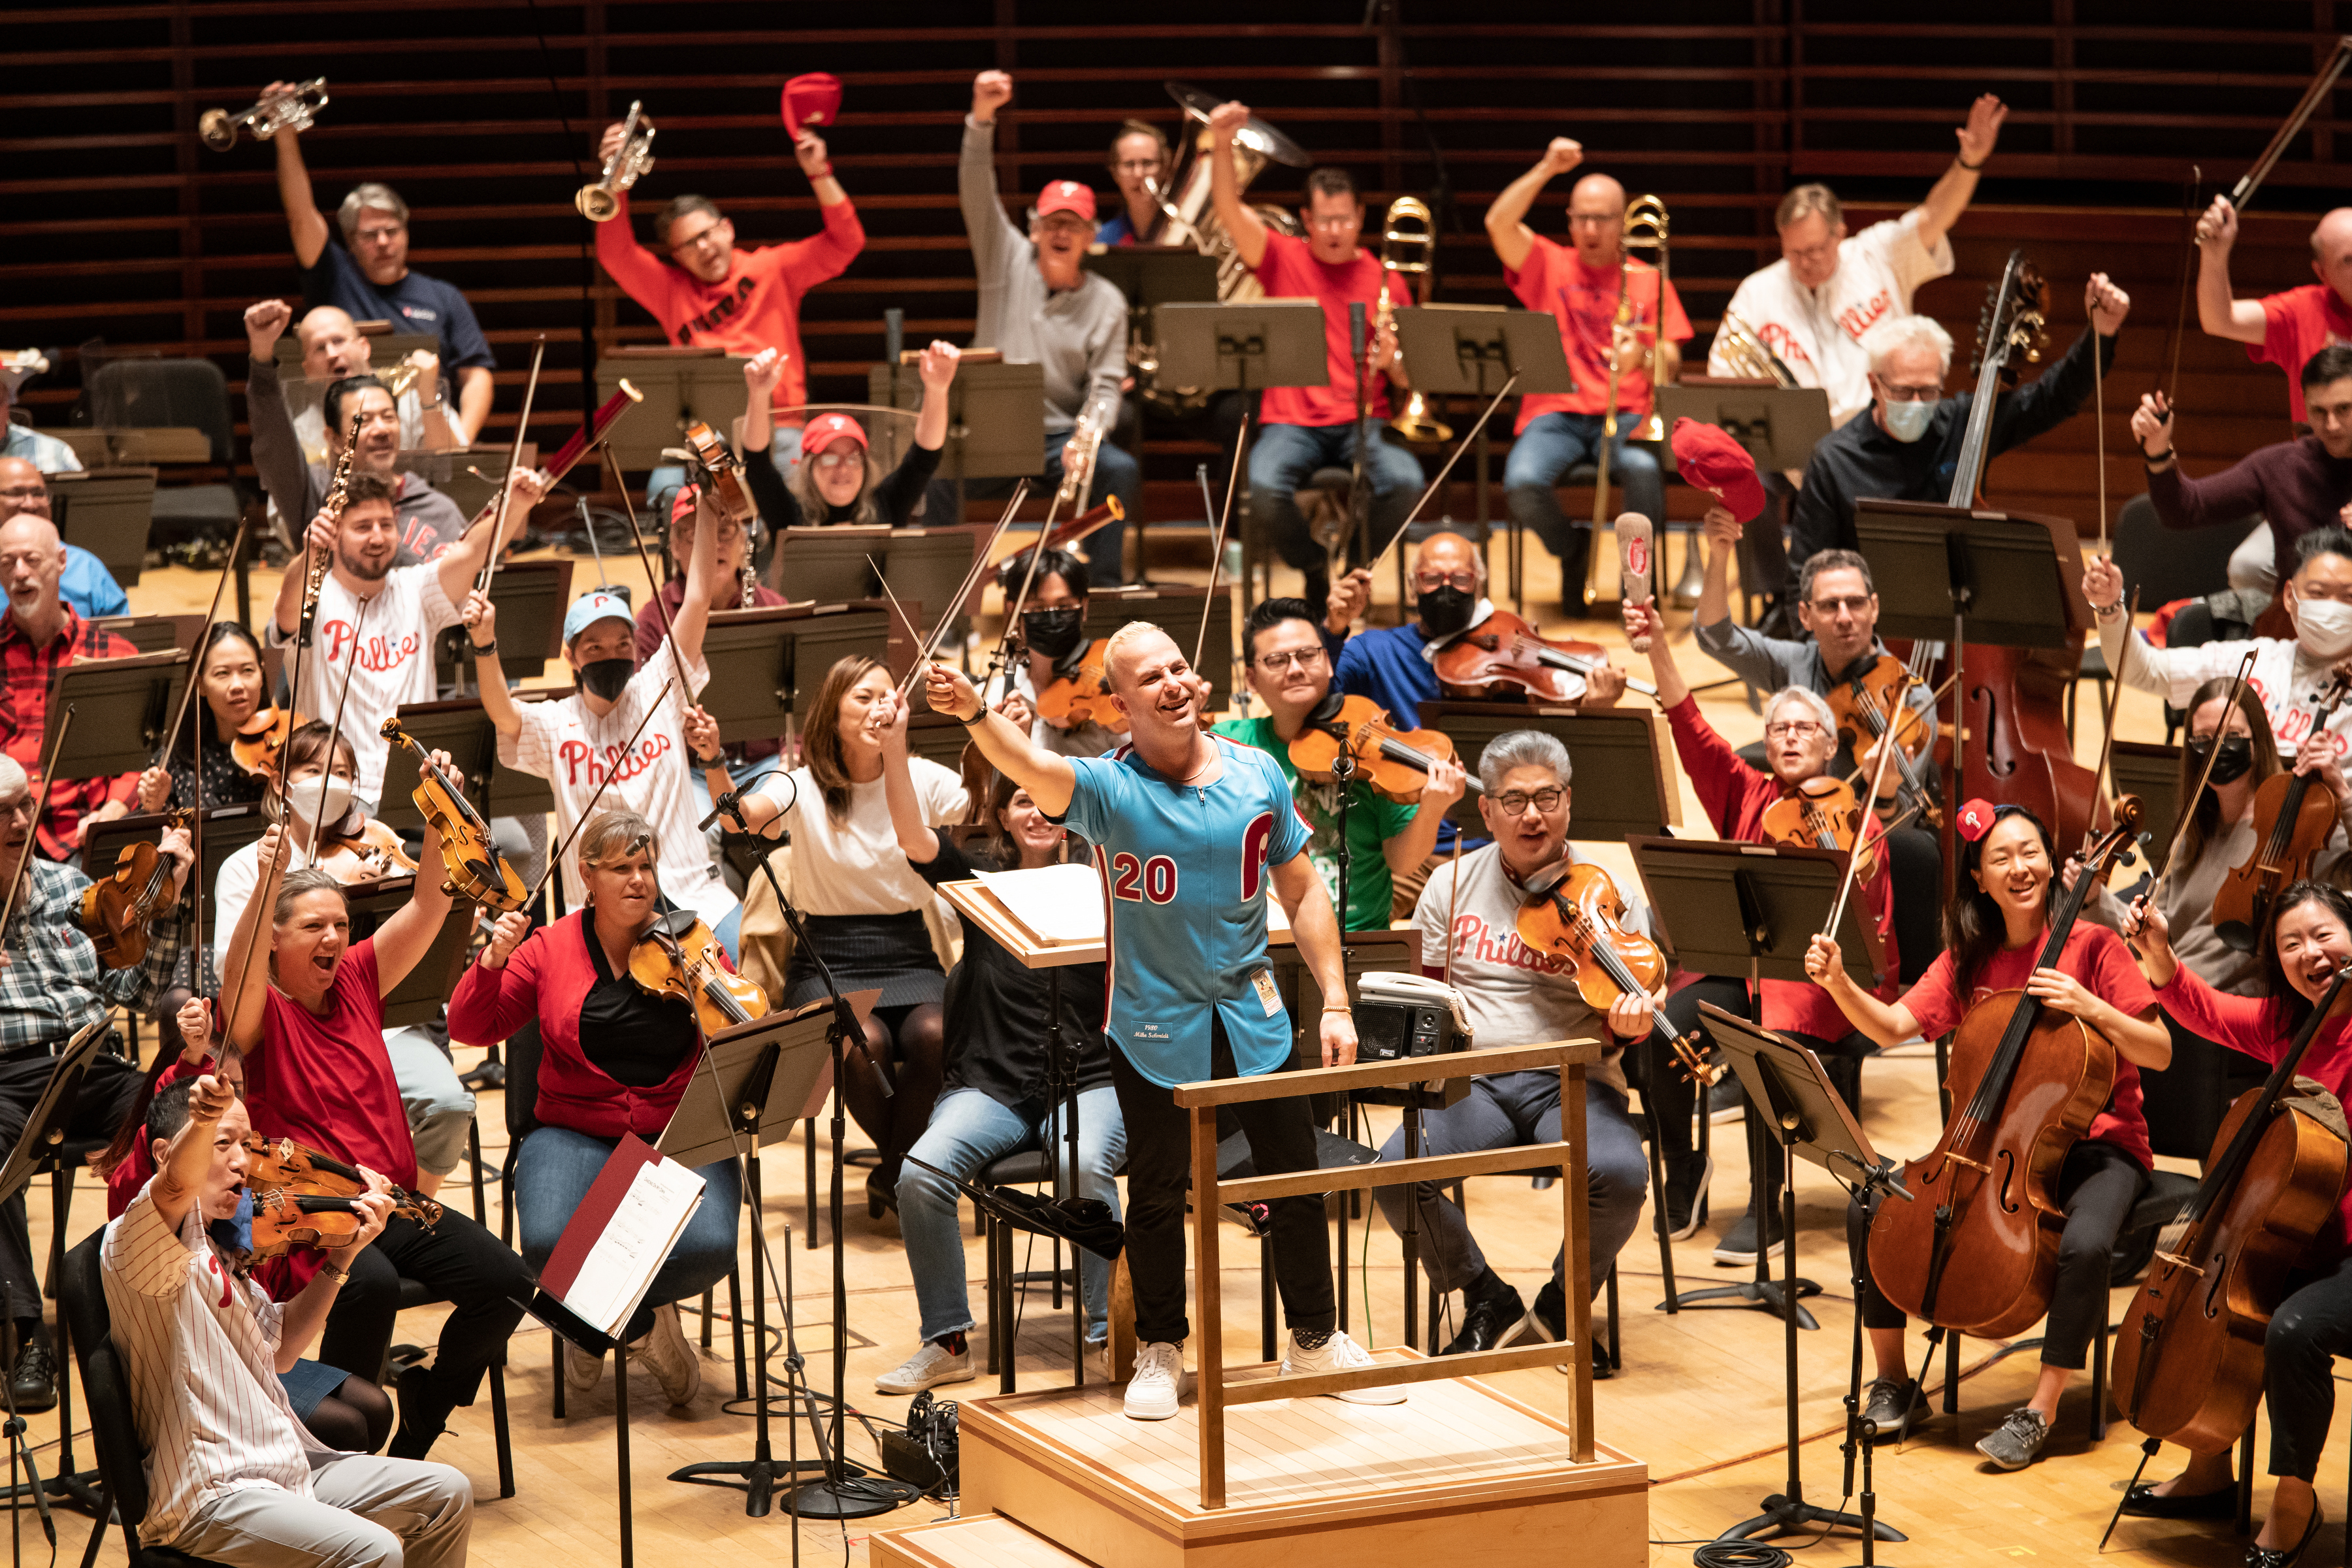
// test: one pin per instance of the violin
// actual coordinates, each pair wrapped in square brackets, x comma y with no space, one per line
[303,1197]
[1579,919]
[1083,696]
[1978,1253]
[1504,651]
[116,910]
[679,956]
[2291,822]
[1823,812]
[726,488]
[1861,705]
[370,855]
[475,868]
[1395,762]
[260,741]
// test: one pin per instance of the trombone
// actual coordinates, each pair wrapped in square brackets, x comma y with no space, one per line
[1415,423]
[630,161]
[1645,226]
[293,110]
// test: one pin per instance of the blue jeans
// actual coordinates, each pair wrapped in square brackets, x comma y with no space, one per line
[552,1174]
[1117,473]
[440,1110]
[1556,443]
[968,1132]
[1283,458]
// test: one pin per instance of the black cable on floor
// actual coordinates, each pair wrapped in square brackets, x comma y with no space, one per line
[1740,1554]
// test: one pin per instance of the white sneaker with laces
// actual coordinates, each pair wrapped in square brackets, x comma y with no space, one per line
[932,1365]
[672,1361]
[1339,1353]
[582,1371]
[1157,1384]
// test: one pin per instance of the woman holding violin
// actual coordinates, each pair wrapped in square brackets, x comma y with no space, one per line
[862,903]
[615,1057]
[2307,943]
[228,675]
[1995,933]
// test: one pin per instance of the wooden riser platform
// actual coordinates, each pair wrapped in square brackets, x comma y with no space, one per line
[975,1541]
[1459,1473]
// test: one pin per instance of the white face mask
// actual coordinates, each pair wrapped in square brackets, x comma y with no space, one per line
[303,796]
[1907,422]
[2322,628]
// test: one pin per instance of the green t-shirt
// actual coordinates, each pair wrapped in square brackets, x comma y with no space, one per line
[1372,822]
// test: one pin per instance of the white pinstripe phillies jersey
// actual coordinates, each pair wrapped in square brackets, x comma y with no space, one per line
[1184,882]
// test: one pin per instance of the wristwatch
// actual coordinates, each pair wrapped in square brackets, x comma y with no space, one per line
[482,650]
[339,1275]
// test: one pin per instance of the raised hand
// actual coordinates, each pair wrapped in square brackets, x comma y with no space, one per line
[2217,228]
[2105,304]
[481,617]
[506,935]
[1562,155]
[1227,119]
[808,149]
[937,365]
[2103,583]
[760,373]
[196,1020]
[266,322]
[991,90]
[2151,424]
[949,692]
[1983,128]
[154,789]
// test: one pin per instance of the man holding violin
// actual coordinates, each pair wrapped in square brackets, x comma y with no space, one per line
[53,985]
[1291,670]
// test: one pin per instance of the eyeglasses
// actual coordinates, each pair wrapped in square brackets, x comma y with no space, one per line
[379,236]
[1136,165]
[23,492]
[1798,728]
[829,460]
[1428,583]
[1852,603]
[1304,657]
[1335,224]
[697,241]
[1543,800]
[21,806]
[1911,393]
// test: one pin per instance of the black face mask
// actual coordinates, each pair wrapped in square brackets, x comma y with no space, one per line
[2236,759]
[607,678]
[1444,611]
[1053,633]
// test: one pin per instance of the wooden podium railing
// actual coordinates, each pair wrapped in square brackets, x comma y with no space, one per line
[1209,1195]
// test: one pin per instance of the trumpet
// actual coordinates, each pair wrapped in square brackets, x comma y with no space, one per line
[630,161]
[1644,226]
[1415,423]
[293,110]
[1749,355]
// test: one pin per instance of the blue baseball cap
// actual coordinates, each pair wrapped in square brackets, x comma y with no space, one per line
[592,607]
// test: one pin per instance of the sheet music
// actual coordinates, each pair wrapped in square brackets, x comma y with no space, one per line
[1057,903]
[636,1242]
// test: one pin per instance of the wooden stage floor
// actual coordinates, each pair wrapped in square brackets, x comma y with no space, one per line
[1699,1399]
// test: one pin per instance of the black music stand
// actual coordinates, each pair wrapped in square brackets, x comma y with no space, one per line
[996,421]
[1779,425]
[107,511]
[531,597]
[1786,1081]
[1748,911]
[1619,746]
[119,709]
[1152,276]
[2152,773]
[767,664]
[462,729]
[154,634]
[1177,611]
[923,565]
[680,386]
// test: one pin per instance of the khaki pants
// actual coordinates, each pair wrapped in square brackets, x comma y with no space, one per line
[364,1511]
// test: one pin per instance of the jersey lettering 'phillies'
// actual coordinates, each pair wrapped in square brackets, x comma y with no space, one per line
[378,653]
[582,765]
[1253,848]
[1475,941]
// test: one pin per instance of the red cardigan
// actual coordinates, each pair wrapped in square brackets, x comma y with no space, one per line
[553,973]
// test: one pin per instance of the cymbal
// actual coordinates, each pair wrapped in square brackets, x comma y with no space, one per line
[1263,137]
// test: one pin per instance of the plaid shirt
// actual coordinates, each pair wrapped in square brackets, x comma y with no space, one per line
[53,985]
[25,673]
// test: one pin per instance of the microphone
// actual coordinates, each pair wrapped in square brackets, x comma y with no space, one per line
[730,805]
[1355,329]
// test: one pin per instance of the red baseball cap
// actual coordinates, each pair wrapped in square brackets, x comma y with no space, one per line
[1708,457]
[1067,196]
[810,100]
[683,507]
[827,428]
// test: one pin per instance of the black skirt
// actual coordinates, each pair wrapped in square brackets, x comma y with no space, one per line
[863,951]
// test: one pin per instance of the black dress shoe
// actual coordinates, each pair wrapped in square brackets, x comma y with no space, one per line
[2144,1501]
[34,1384]
[1488,1322]
[2268,1557]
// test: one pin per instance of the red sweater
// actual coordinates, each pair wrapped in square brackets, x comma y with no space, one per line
[551,973]
[756,305]
[1736,796]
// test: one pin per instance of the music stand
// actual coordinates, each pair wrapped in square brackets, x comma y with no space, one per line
[531,597]
[220,832]
[1177,611]
[1152,276]
[680,386]
[421,997]
[153,634]
[921,564]
[766,664]
[996,420]
[107,511]
[2152,773]
[1786,1081]
[1779,425]
[1472,350]
[119,709]
[1619,745]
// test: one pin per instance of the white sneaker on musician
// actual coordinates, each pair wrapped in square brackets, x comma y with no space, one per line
[582,1371]
[1337,1354]
[673,1361]
[932,1365]
[1157,1384]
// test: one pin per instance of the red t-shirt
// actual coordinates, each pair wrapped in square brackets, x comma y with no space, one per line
[2093,956]
[1583,300]
[2296,325]
[1289,270]
[328,1081]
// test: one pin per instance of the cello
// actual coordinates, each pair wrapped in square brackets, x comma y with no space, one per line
[1978,1252]
[2291,823]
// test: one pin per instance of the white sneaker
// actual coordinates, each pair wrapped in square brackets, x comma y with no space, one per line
[1340,1353]
[1158,1384]
[932,1365]
[582,1371]
[672,1361]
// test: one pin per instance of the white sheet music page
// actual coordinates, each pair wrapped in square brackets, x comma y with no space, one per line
[1057,903]
[636,1242]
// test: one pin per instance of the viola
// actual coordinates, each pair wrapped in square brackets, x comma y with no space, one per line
[473,868]
[679,956]
[1395,762]
[117,909]
[2291,823]
[1083,696]
[1823,812]
[260,741]
[726,488]
[1502,655]
[1979,1251]
[370,855]
[303,1197]
[1861,705]
[1580,919]
[2189,1358]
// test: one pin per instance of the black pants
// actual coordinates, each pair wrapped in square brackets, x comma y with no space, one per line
[458,1262]
[108,1091]
[2309,1331]
[1158,1171]
[2097,1188]
[1652,1068]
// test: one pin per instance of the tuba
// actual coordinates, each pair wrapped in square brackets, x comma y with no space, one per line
[1415,423]
[286,111]
[631,160]
[1749,355]
[1644,226]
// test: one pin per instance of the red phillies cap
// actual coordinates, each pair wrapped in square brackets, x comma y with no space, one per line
[810,100]
[1067,196]
[1976,819]
[827,428]
[1708,457]
[683,507]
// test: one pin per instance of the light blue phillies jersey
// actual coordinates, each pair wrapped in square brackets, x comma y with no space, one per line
[1184,881]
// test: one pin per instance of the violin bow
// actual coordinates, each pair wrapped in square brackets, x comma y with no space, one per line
[514,464]
[1217,546]
[588,812]
[980,562]
[1002,658]
[335,503]
[319,822]
[1438,483]
[2115,701]
[32,834]
[645,559]
[1886,744]
[212,614]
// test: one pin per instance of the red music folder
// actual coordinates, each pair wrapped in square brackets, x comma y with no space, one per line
[621,1234]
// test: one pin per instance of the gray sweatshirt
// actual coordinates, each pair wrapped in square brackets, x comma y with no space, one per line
[1078,336]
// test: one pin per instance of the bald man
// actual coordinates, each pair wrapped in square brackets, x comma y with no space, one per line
[2286,328]
[334,348]
[39,634]
[86,583]
[1578,283]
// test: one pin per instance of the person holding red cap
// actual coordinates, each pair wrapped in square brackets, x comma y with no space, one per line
[1041,307]
[836,478]
[705,291]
